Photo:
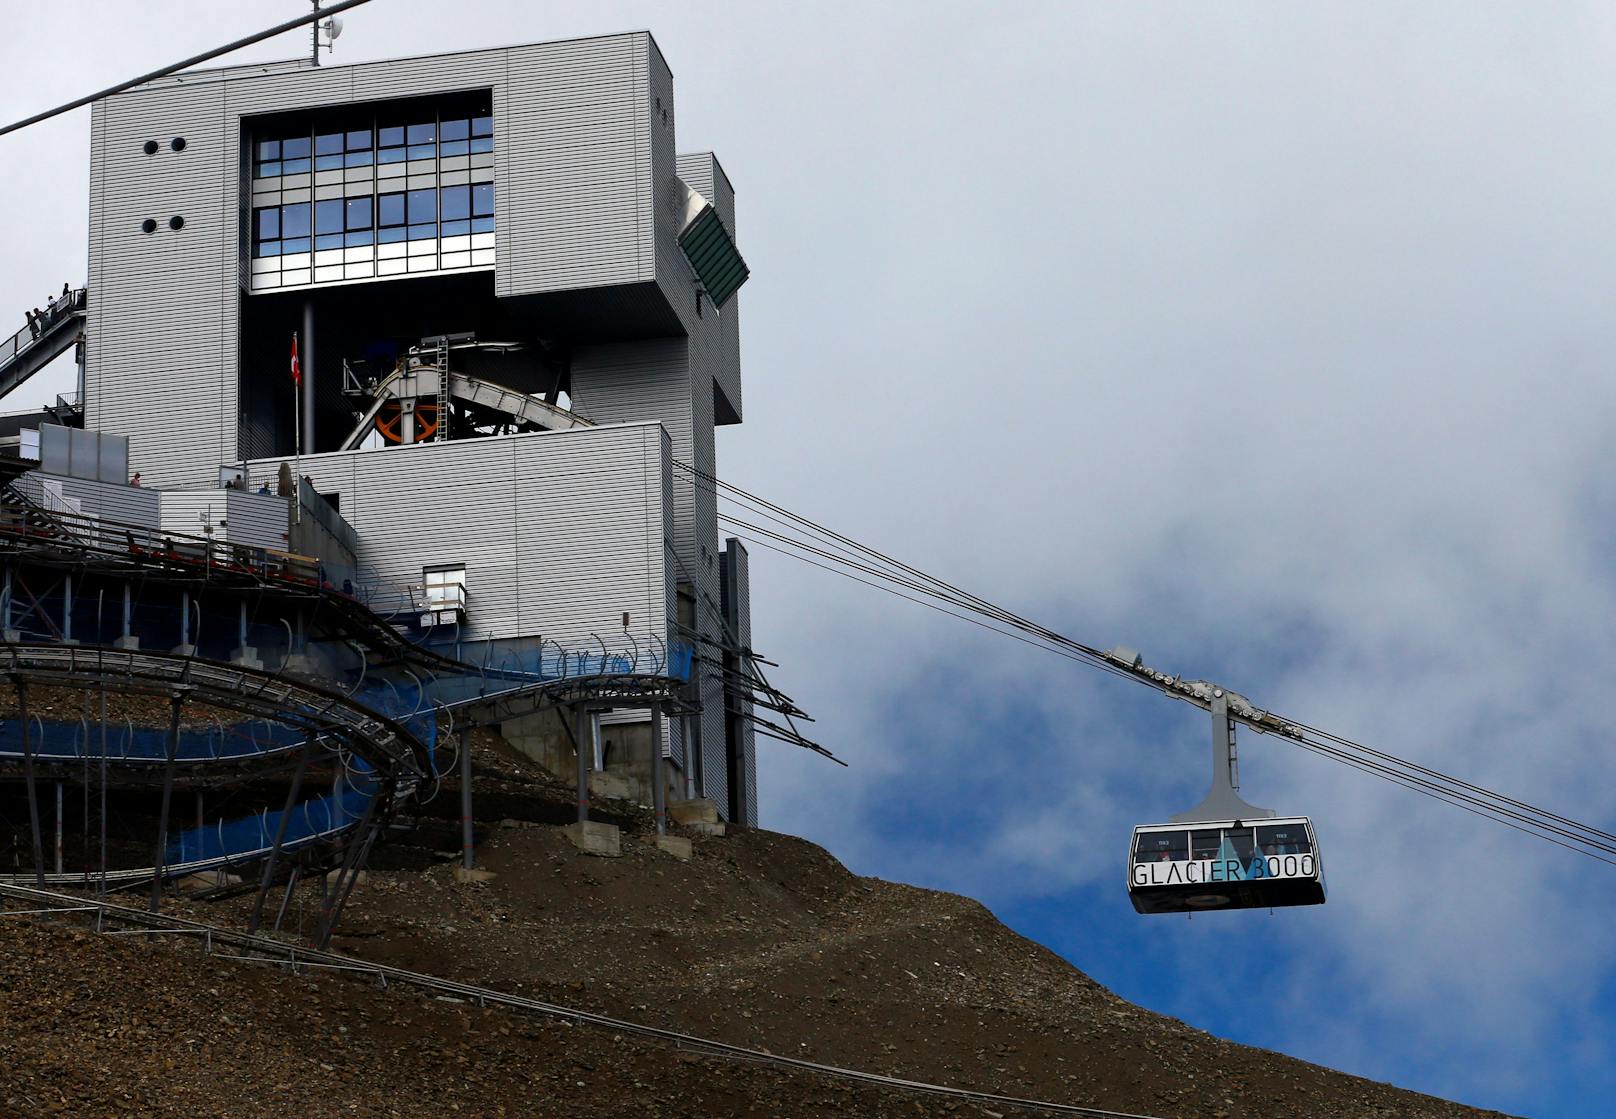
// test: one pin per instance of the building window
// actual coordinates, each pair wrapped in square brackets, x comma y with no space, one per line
[390,144]
[390,218]
[445,586]
[295,155]
[482,135]
[360,149]
[482,208]
[454,137]
[328,224]
[360,228]
[423,213]
[456,203]
[295,228]
[328,152]
[423,140]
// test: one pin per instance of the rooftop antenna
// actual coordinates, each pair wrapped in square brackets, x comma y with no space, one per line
[332,28]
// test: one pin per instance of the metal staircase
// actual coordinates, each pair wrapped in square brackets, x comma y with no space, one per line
[43,340]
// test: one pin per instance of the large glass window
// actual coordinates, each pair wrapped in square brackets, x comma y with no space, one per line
[295,155]
[1161,846]
[482,134]
[456,205]
[269,158]
[390,218]
[359,149]
[423,211]
[390,144]
[328,151]
[359,225]
[1283,839]
[267,231]
[295,228]
[422,140]
[328,224]
[482,208]
[454,137]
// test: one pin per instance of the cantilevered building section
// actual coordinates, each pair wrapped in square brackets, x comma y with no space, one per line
[515,315]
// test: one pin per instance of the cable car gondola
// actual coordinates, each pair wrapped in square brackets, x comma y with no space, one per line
[1224,853]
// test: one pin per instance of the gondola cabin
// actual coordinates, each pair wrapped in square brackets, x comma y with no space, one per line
[1215,864]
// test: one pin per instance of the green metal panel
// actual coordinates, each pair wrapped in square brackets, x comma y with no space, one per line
[713,255]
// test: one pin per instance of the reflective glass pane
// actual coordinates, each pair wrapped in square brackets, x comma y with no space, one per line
[422,151]
[358,159]
[390,155]
[423,232]
[359,213]
[482,126]
[390,137]
[452,147]
[289,246]
[359,141]
[423,206]
[456,202]
[328,216]
[1204,843]
[422,133]
[328,144]
[456,228]
[482,225]
[269,223]
[295,148]
[1240,842]
[328,241]
[295,220]
[390,209]
[1162,846]
[1283,839]
[355,240]
[294,166]
[269,149]
[454,130]
[328,162]
[482,199]
[482,144]
[268,170]
[388,236]
[268,248]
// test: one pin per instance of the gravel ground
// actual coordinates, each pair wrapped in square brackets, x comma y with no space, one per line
[761,940]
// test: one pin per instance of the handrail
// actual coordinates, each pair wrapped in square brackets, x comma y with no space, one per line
[63,309]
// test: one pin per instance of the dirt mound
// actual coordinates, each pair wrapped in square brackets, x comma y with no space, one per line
[760,940]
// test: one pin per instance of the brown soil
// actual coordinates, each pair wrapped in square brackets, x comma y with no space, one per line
[761,939]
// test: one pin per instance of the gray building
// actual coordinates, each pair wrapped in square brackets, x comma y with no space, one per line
[516,328]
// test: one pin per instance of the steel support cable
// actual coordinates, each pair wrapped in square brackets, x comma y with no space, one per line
[1454,795]
[1497,805]
[276,952]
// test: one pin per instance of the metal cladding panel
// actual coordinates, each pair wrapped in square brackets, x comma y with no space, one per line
[589,528]
[644,382]
[704,515]
[107,501]
[553,527]
[258,520]
[194,512]
[161,368]
[574,139]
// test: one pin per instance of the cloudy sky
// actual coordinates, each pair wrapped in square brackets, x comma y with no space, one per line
[1269,339]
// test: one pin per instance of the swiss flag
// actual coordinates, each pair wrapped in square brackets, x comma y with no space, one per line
[297,371]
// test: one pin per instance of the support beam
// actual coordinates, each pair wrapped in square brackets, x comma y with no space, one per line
[468,853]
[59,826]
[280,836]
[127,639]
[160,855]
[659,796]
[28,778]
[67,610]
[584,746]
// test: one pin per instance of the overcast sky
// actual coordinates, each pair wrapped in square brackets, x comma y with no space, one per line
[1270,339]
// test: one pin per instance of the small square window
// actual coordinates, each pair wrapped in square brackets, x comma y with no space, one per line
[359,213]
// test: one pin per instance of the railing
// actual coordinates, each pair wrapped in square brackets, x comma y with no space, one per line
[59,310]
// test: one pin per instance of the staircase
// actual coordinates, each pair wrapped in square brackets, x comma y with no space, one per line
[37,345]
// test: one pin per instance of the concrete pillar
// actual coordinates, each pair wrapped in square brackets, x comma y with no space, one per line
[658,795]
[127,640]
[584,741]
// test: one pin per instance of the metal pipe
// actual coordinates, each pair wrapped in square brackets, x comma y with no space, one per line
[280,835]
[185,617]
[260,36]
[467,852]
[159,856]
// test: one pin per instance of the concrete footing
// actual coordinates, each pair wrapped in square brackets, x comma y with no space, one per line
[130,643]
[612,785]
[466,876]
[594,838]
[179,650]
[676,845]
[702,810]
[707,827]
[246,657]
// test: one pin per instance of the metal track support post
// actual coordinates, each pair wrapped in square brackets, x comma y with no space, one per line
[468,853]
[584,745]
[128,612]
[358,847]
[59,824]
[67,609]
[28,778]
[659,796]
[159,856]
[280,836]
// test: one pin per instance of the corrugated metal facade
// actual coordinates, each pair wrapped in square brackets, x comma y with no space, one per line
[561,533]
[108,501]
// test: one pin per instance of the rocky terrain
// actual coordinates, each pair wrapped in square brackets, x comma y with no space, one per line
[760,939]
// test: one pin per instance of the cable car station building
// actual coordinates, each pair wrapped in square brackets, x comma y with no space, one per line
[517,333]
